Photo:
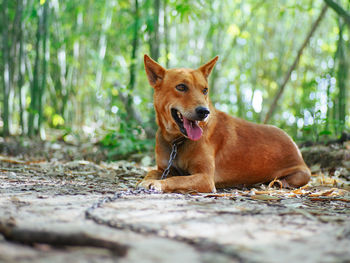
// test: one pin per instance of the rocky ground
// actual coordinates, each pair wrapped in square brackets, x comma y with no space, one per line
[47,193]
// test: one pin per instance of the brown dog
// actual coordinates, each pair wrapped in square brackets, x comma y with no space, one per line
[219,150]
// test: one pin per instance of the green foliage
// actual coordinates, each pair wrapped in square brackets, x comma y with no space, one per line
[127,140]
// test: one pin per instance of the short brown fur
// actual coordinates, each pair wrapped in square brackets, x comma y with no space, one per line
[230,152]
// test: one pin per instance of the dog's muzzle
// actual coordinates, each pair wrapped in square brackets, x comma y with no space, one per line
[189,125]
[202,112]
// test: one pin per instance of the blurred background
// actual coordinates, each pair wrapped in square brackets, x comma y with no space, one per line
[74,69]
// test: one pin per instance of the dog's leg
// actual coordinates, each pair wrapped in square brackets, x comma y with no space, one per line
[151,175]
[197,182]
[193,183]
[295,180]
[297,177]
[154,174]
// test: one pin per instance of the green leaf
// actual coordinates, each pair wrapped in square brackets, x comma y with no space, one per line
[325,132]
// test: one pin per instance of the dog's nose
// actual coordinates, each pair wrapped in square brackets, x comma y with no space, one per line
[202,112]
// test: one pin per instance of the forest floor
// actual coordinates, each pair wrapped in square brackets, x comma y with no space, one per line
[47,190]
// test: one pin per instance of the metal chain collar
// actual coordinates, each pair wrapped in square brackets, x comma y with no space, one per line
[175,143]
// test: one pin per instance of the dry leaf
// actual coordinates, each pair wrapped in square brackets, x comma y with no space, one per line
[265,197]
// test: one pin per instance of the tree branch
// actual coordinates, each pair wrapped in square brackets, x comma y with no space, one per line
[339,10]
[295,63]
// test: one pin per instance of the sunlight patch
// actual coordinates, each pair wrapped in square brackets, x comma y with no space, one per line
[257,101]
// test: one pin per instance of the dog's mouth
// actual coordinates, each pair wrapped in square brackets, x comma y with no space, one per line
[189,128]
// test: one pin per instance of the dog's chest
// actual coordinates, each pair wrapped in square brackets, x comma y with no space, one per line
[178,170]
[179,165]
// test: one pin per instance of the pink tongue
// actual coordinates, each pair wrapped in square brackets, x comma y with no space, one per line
[194,132]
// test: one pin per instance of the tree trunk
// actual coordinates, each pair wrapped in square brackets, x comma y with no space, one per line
[240,104]
[329,98]
[44,65]
[21,65]
[33,111]
[328,113]
[127,100]
[217,45]
[166,33]
[342,77]
[294,65]
[135,45]
[154,39]
[6,70]
[154,47]
[106,22]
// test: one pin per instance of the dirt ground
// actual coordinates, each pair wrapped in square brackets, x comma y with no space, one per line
[47,192]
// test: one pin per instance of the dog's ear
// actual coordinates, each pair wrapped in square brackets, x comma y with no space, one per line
[154,71]
[208,67]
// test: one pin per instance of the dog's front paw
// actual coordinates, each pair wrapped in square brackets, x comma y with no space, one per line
[151,184]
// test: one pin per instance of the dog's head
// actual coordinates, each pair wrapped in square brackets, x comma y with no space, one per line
[181,97]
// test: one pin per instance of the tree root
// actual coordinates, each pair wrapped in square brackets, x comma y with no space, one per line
[30,237]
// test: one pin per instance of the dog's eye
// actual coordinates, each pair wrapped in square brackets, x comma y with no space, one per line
[181,87]
[205,91]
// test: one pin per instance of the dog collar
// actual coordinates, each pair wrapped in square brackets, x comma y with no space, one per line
[174,145]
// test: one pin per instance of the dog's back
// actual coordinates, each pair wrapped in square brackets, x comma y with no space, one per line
[249,153]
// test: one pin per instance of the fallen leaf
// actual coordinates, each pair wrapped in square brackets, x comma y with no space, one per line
[264,197]
[322,193]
